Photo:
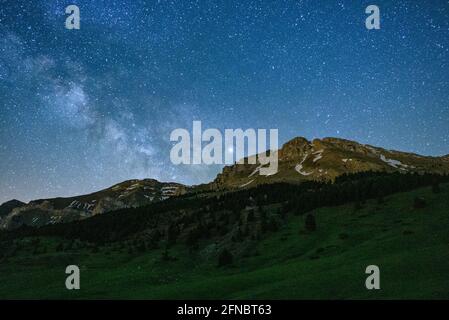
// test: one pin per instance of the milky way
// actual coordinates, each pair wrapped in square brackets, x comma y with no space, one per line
[84,109]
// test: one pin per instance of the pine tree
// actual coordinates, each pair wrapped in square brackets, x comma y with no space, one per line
[436,187]
[419,203]
[225,258]
[310,224]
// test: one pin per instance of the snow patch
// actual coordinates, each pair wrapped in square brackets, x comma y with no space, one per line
[391,162]
[318,155]
[134,186]
[149,197]
[395,163]
[299,167]
[245,184]
[255,171]
[169,190]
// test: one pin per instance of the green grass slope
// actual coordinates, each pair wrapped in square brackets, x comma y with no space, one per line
[410,246]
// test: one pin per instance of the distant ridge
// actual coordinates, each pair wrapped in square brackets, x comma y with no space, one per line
[127,194]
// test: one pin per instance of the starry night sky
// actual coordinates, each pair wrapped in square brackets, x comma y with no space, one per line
[83,109]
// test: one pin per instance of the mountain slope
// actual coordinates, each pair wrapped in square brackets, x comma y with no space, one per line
[128,194]
[324,160]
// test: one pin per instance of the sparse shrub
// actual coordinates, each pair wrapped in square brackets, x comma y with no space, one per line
[225,258]
[192,239]
[69,246]
[436,187]
[297,211]
[223,230]
[273,224]
[357,205]
[95,249]
[250,216]
[172,233]
[60,247]
[283,211]
[165,255]
[343,236]
[142,246]
[310,224]
[380,199]
[419,203]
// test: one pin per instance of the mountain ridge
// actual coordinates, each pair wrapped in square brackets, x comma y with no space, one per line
[127,194]
[325,159]
[299,160]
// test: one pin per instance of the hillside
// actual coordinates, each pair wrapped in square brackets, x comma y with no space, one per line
[410,245]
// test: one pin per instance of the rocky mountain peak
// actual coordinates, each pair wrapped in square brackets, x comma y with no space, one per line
[293,148]
[325,159]
[8,206]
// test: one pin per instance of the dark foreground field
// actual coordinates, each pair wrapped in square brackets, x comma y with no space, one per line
[410,245]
